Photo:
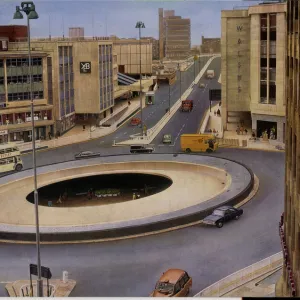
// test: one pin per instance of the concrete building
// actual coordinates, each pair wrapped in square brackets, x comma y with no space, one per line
[155,47]
[174,35]
[253,68]
[210,45]
[128,55]
[71,77]
[76,32]
[289,284]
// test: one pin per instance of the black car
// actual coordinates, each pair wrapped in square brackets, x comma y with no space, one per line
[222,215]
[141,149]
[86,154]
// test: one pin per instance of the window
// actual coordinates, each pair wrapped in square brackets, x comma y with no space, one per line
[263,35]
[1,63]
[177,288]
[273,35]
[272,91]
[1,80]
[182,283]
[263,62]
[272,20]
[272,63]
[263,91]
[263,74]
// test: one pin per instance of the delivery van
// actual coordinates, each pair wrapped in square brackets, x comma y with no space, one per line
[198,143]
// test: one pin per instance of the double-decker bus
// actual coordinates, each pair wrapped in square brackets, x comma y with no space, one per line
[10,159]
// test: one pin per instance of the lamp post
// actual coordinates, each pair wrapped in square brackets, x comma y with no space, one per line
[169,97]
[29,9]
[141,25]
[179,80]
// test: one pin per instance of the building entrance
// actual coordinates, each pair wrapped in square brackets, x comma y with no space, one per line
[269,127]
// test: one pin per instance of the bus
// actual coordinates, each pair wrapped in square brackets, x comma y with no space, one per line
[10,159]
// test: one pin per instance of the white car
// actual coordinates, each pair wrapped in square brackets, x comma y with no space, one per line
[86,154]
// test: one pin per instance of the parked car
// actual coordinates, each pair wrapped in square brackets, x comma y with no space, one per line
[135,121]
[141,149]
[167,139]
[86,154]
[173,283]
[222,215]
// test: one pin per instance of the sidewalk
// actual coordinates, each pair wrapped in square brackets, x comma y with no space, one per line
[263,286]
[77,135]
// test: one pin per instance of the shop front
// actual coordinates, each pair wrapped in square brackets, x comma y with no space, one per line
[3,136]
[25,134]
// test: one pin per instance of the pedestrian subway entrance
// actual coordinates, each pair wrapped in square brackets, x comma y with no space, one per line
[101,189]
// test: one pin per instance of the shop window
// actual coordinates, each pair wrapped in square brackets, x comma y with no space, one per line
[272,63]
[263,62]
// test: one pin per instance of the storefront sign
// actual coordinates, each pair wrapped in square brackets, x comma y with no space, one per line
[28,119]
[85,67]
[3,132]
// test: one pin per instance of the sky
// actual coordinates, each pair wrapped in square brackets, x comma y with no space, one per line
[119,17]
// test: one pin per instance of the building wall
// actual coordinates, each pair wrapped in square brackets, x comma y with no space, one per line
[235,62]
[13,32]
[210,45]
[128,55]
[161,32]
[292,151]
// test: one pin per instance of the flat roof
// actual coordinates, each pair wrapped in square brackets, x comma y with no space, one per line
[16,54]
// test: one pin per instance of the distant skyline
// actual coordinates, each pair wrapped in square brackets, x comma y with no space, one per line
[119,16]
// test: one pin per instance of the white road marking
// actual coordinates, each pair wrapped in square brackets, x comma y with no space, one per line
[6,281]
[125,132]
[179,134]
[101,142]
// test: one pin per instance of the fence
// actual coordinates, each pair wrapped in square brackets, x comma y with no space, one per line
[229,142]
[243,276]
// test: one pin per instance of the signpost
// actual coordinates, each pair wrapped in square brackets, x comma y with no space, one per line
[45,273]
[85,67]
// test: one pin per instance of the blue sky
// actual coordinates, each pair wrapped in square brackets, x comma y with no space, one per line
[119,17]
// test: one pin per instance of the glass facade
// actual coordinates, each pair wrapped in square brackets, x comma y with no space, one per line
[18,84]
[106,83]
[66,80]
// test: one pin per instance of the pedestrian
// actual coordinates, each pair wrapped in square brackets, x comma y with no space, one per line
[59,199]
[242,129]
[133,196]
[49,135]
[246,131]
[218,113]
[238,130]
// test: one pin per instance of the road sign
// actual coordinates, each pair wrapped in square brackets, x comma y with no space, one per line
[45,272]
[195,57]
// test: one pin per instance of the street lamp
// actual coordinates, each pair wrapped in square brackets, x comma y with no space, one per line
[179,80]
[29,9]
[141,25]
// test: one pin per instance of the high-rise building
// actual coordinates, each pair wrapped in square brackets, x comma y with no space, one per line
[289,283]
[174,35]
[76,32]
[253,68]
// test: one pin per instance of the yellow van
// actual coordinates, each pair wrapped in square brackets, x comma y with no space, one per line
[198,143]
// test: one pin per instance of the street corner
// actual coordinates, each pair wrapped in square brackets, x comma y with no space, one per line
[55,288]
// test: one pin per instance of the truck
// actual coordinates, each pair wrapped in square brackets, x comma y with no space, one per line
[198,143]
[210,74]
[187,105]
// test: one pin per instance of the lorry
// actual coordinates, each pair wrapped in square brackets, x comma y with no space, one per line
[198,143]
[210,74]
[187,105]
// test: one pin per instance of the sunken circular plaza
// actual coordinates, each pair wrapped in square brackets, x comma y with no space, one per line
[181,189]
[101,190]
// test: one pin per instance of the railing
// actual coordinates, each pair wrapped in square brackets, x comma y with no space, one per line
[286,259]
[27,291]
[242,277]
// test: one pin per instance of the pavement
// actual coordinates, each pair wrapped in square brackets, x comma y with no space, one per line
[263,286]
[133,266]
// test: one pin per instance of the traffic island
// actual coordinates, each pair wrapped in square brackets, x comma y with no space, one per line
[57,288]
[209,182]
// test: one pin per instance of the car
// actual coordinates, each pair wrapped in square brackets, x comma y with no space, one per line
[202,85]
[173,283]
[167,139]
[135,121]
[86,154]
[141,149]
[222,215]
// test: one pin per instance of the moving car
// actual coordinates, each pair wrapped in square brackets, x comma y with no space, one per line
[86,154]
[141,149]
[167,139]
[222,215]
[135,121]
[173,283]
[187,105]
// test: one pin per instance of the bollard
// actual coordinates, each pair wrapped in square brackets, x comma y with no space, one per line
[65,276]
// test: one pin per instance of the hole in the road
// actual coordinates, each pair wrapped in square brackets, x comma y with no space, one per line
[101,189]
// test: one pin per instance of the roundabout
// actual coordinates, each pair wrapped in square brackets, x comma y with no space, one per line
[198,185]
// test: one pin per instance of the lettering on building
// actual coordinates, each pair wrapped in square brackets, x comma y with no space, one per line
[85,67]
[239,28]
[239,41]
[239,77]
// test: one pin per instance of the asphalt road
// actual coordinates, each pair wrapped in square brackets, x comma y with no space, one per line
[152,113]
[131,267]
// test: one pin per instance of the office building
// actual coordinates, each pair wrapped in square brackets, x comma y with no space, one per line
[73,80]
[155,47]
[253,68]
[76,32]
[128,55]
[174,35]
[289,283]
[210,45]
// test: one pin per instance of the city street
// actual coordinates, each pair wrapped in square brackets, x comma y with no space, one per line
[131,267]
[104,145]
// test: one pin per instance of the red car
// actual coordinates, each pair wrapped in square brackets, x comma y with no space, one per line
[135,121]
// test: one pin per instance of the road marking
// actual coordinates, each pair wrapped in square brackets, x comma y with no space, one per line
[101,142]
[178,134]
[6,281]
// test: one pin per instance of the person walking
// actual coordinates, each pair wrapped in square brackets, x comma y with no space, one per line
[133,196]
[59,200]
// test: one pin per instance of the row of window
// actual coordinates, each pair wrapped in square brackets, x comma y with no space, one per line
[21,79]
[264,20]
[25,96]
[272,91]
[65,51]
[18,62]
[264,61]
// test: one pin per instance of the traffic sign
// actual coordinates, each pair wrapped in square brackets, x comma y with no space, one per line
[45,272]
